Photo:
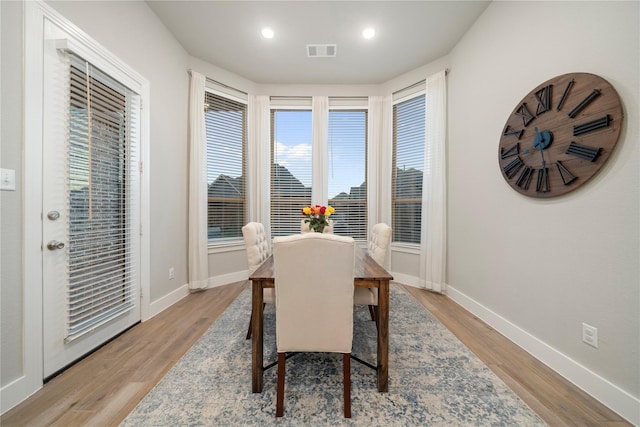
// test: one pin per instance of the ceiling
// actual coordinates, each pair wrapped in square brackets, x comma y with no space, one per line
[409,34]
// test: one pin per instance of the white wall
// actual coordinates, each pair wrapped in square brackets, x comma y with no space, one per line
[542,267]
[11,201]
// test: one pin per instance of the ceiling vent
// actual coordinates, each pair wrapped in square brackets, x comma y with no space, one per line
[321,50]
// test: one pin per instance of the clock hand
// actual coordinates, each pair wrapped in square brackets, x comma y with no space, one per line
[536,139]
[543,178]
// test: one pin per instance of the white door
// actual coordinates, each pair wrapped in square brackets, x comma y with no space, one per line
[91,215]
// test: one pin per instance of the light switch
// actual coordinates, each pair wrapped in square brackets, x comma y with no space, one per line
[7,179]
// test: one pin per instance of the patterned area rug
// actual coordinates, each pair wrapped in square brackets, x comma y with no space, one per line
[434,380]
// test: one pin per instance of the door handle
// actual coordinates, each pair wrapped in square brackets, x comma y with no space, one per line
[54,244]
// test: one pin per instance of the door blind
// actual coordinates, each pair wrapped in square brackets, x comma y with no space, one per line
[102,138]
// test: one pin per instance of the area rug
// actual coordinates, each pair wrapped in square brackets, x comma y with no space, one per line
[434,380]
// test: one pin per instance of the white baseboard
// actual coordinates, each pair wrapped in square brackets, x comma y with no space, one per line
[158,306]
[405,279]
[15,392]
[225,279]
[171,298]
[599,388]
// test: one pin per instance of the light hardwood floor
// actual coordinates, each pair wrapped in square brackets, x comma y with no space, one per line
[103,388]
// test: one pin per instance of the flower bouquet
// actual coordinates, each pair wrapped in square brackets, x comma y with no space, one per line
[317,217]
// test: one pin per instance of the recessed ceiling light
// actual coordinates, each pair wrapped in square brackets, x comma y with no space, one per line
[368,33]
[267,33]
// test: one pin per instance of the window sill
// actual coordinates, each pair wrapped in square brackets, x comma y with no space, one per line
[407,248]
[225,246]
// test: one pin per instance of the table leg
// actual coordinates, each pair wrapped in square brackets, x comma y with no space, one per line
[383,336]
[256,336]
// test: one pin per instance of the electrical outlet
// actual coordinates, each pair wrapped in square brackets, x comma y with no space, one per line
[590,335]
[172,273]
[7,179]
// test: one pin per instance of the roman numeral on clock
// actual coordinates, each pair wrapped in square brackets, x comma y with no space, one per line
[511,131]
[542,185]
[567,177]
[583,151]
[592,125]
[593,95]
[543,96]
[565,94]
[525,177]
[511,168]
[524,112]
[514,150]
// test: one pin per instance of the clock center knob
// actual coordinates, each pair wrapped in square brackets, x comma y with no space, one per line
[542,139]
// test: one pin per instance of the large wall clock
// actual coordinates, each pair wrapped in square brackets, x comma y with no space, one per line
[560,135]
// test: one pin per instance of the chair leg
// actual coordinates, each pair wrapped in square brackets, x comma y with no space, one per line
[251,323]
[280,389]
[346,368]
[375,313]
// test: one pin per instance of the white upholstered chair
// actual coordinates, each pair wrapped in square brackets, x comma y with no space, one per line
[378,249]
[258,249]
[314,301]
[304,227]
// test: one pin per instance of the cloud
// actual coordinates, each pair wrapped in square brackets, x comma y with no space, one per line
[292,155]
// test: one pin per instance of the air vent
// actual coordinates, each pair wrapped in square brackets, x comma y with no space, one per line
[321,50]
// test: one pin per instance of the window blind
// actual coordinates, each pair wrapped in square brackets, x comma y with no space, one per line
[226,128]
[291,164]
[408,167]
[103,125]
[347,181]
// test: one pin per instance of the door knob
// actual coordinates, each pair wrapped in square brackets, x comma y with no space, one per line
[54,244]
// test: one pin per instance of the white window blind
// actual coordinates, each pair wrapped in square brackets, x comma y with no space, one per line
[291,164]
[347,180]
[103,133]
[226,124]
[408,167]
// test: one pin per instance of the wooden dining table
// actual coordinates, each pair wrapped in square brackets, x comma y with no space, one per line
[367,274]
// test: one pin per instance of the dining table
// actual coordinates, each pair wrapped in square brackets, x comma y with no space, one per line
[367,274]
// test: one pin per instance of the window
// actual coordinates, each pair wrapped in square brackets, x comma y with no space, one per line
[291,165]
[347,177]
[408,167]
[225,122]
